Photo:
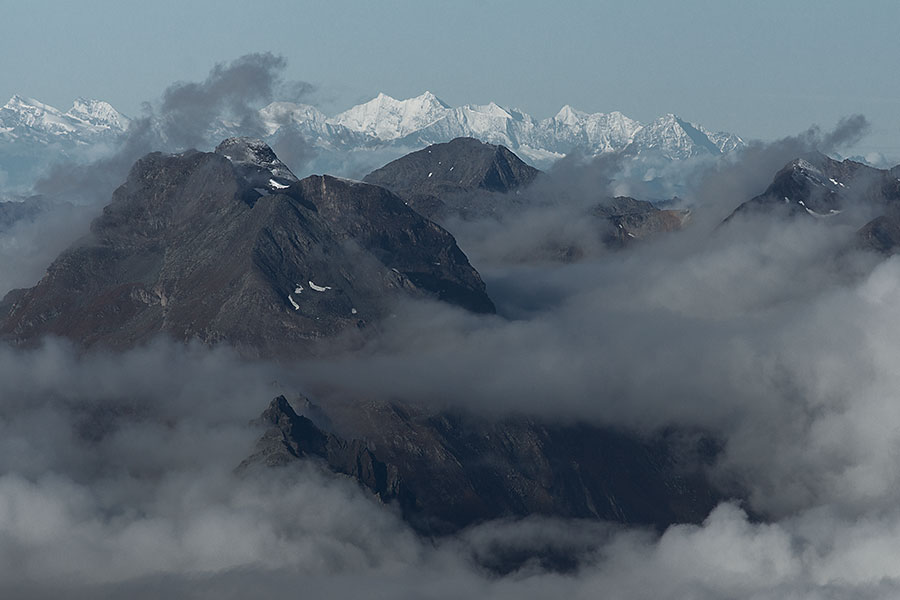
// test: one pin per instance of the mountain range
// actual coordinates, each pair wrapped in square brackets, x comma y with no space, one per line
[359,139]
[230,247]
[34,135]
[426,119]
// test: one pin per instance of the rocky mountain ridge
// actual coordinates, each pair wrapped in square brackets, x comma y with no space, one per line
[231,247]
[817,187]
[470,180]
[447,470]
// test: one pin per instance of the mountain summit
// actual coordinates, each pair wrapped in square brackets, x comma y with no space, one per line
[434,178]
[387,118]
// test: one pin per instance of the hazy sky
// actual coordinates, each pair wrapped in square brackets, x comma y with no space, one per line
[761,69]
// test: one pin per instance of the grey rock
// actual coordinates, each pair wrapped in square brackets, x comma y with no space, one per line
[458,178]
[818,187]
[289,436]
[449,470]
[629,220]
[198,246]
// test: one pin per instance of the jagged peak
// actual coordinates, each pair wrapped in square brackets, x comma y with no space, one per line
[278,406]
[569,115]
[815,162]
[97,112]
[243,151]
[382,97]
[491,108]
[425,96]
[19,101]
[670,119]
[804,165]
[89,104]
[430,97]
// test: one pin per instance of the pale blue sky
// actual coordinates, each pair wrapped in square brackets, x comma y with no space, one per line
[761,69]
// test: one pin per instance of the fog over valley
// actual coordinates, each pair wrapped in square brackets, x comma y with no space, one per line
[449,367]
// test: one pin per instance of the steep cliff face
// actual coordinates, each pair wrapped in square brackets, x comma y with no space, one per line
[451,470]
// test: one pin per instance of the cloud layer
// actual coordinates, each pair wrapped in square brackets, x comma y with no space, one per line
[117,472]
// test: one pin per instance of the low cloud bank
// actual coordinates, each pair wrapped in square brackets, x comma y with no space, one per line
[117,480]
[117,472]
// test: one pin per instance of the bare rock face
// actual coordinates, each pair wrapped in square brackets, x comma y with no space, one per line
[290,436]
[629,220]
[451,470]
[881,234]
[846,192]
[817,186]
[230,247]
[469,179]
[442,179]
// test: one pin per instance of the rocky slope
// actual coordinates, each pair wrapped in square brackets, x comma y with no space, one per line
[629,220]
[451,470]
[818,187]
[462,177]
[467,179]
[231,247]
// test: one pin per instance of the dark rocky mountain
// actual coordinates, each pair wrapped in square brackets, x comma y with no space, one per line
[881,234]
[450,470]
[290,436]
[230,247]
[818,187]
[468,179]
[440,180]
[629,220]
[28,209]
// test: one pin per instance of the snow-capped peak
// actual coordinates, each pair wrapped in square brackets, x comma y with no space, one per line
[85,118]
[431,98]
[28,106]
[388,118]
[29,113]
[98,113]
[569,116]
[384,125]
[493,109]
[24,103]
[674,138]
